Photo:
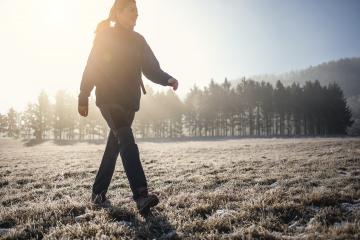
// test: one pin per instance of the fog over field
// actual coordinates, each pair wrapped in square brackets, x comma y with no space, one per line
[220,189]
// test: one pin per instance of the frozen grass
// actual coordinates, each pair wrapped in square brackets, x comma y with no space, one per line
[226,189]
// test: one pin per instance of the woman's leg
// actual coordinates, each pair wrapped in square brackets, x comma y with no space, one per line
[107,166]
[130,156]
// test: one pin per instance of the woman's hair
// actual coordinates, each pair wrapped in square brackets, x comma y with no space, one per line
[118,5]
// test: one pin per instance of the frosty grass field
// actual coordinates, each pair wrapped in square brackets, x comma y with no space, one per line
[305,188]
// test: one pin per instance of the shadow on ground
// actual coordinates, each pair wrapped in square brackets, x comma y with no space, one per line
[156,227]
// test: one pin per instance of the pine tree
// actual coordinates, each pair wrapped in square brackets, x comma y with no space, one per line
[266,102]
[240,109]
[174,109]
[66,117]
[192,109]
[42,116]
[280,106]
[339,113]
[3,124]
[12,123]
[28,121]
[296,106]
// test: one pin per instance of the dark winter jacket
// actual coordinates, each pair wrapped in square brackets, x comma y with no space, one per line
[114,66]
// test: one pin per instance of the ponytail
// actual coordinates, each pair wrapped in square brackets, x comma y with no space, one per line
[103,25]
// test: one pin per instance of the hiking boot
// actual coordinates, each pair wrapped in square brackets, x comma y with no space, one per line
[99,200]
[144,203]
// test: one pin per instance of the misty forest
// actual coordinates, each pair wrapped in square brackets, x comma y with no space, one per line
[249,108]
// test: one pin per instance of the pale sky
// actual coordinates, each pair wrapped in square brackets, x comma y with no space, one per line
[45,43]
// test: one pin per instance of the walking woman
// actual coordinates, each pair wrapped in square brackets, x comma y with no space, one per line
[118,57]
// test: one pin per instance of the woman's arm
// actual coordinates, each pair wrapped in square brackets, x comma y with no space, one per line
[151,67]
[91,71]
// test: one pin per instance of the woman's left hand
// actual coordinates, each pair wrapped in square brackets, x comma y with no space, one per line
[174,83]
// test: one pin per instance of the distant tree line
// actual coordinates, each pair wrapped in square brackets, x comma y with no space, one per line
[251,108]
[259,109]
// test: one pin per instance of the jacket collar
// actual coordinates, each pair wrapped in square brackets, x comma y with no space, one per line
[122,28]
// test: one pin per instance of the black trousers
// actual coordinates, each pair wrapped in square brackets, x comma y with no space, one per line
[120,140]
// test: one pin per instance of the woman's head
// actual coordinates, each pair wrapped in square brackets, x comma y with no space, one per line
[126,13]
[123,12]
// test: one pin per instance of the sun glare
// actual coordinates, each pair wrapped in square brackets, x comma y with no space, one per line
[57,15]
[51,13]
[51,40]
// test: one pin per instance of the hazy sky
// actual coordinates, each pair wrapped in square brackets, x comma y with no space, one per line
[45,43]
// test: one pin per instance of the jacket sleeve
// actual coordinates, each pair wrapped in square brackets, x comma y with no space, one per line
[90,72]
[151,67]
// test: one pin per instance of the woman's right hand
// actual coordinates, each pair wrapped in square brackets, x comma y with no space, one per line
[83,110]
[174,83]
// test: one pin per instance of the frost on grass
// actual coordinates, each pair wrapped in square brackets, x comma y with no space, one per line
[230,189]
